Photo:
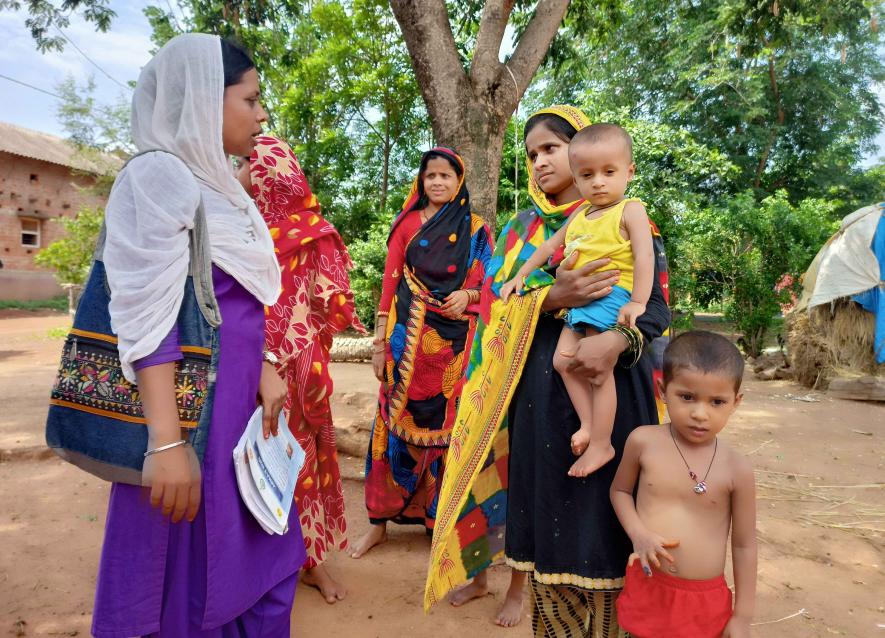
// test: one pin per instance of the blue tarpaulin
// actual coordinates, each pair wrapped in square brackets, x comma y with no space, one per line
[873,300]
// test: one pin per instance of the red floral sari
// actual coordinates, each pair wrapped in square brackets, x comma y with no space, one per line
[316,303]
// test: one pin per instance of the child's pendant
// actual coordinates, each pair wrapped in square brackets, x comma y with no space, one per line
[700,486]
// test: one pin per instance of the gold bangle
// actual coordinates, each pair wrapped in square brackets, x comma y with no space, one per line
[635,342]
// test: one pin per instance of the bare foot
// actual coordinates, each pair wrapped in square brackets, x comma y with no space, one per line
[319,577]
[592,459]
[510,612]
[580,441]
[376,535]
[476,588]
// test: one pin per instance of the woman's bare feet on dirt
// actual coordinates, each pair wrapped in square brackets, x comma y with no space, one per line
[376,535]
[319,577]
[593,458]
[476,588]
[510,612]
[580,441]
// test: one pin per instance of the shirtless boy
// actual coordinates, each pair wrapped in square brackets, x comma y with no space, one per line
[692,490]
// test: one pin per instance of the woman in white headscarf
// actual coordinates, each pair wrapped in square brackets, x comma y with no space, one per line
[215,573]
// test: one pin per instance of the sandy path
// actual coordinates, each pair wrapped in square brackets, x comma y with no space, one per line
[52,519]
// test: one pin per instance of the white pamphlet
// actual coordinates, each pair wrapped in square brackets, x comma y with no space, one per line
[267,471]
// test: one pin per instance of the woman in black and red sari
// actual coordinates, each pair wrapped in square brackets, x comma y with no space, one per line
[437,255]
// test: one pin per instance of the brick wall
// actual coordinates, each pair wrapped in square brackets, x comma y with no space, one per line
[44,192]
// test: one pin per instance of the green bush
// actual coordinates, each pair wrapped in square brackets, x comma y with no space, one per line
[738,251]
[368,256]
[59,303]
[71,256]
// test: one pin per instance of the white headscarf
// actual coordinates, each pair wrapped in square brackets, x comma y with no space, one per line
[178,107]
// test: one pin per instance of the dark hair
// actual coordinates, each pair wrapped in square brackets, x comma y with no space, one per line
[558,126]
[235,60]
[603,132]
[705,351]
[422,201]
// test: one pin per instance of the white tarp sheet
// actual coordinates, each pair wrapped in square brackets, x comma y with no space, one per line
[846,265]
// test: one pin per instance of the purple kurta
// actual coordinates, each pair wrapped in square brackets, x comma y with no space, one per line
[221,575]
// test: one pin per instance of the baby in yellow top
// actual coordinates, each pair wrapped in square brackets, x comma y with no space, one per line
[601,160]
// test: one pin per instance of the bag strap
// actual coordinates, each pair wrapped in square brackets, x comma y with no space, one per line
[199,261]
[200,268]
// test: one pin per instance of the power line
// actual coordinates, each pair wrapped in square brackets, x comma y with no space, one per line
[174,17]
[90,60]
[31,86]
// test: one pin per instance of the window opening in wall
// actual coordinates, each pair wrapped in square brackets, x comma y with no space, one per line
[34,177]
[31,233]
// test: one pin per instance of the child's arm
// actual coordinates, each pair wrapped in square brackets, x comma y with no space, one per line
[540,257]
[638,229]
[646,544]
[743,550]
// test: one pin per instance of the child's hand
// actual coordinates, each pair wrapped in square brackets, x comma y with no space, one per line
[648,546]
[630,312]
[737,627]
[511,286]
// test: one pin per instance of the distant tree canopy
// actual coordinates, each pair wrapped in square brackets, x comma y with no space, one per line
[785,89]
[742,112]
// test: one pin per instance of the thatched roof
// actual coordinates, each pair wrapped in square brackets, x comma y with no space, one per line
[43,147]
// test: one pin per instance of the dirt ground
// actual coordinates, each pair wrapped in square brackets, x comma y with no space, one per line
[821,503]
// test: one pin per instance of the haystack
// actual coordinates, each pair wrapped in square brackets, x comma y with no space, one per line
[829,334]
[832,340]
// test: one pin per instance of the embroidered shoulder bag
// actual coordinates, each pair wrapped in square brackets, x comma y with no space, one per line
[96,420]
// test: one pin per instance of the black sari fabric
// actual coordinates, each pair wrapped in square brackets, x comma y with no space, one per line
[558,525]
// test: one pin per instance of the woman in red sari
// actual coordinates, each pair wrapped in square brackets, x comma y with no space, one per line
[436,259]
[316,303]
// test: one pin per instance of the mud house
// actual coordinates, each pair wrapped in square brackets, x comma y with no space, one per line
[42,178]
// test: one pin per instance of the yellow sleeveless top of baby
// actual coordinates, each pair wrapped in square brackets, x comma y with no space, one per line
[601,237]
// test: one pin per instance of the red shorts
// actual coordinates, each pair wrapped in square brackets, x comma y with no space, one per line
[665,606]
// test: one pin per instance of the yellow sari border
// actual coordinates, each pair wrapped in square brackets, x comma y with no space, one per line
[573,580]
[495,368]
[484,401]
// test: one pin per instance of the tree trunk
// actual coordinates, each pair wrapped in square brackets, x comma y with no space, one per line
[385,169]
[781,116]
[469,112]
[479,139]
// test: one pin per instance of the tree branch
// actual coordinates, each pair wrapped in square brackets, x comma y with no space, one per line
[368,123]
[781,117]
[535,41]
[486,66]
[428,35]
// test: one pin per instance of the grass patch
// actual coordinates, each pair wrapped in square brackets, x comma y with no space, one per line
[59,303]
[713,320]
[57,333]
